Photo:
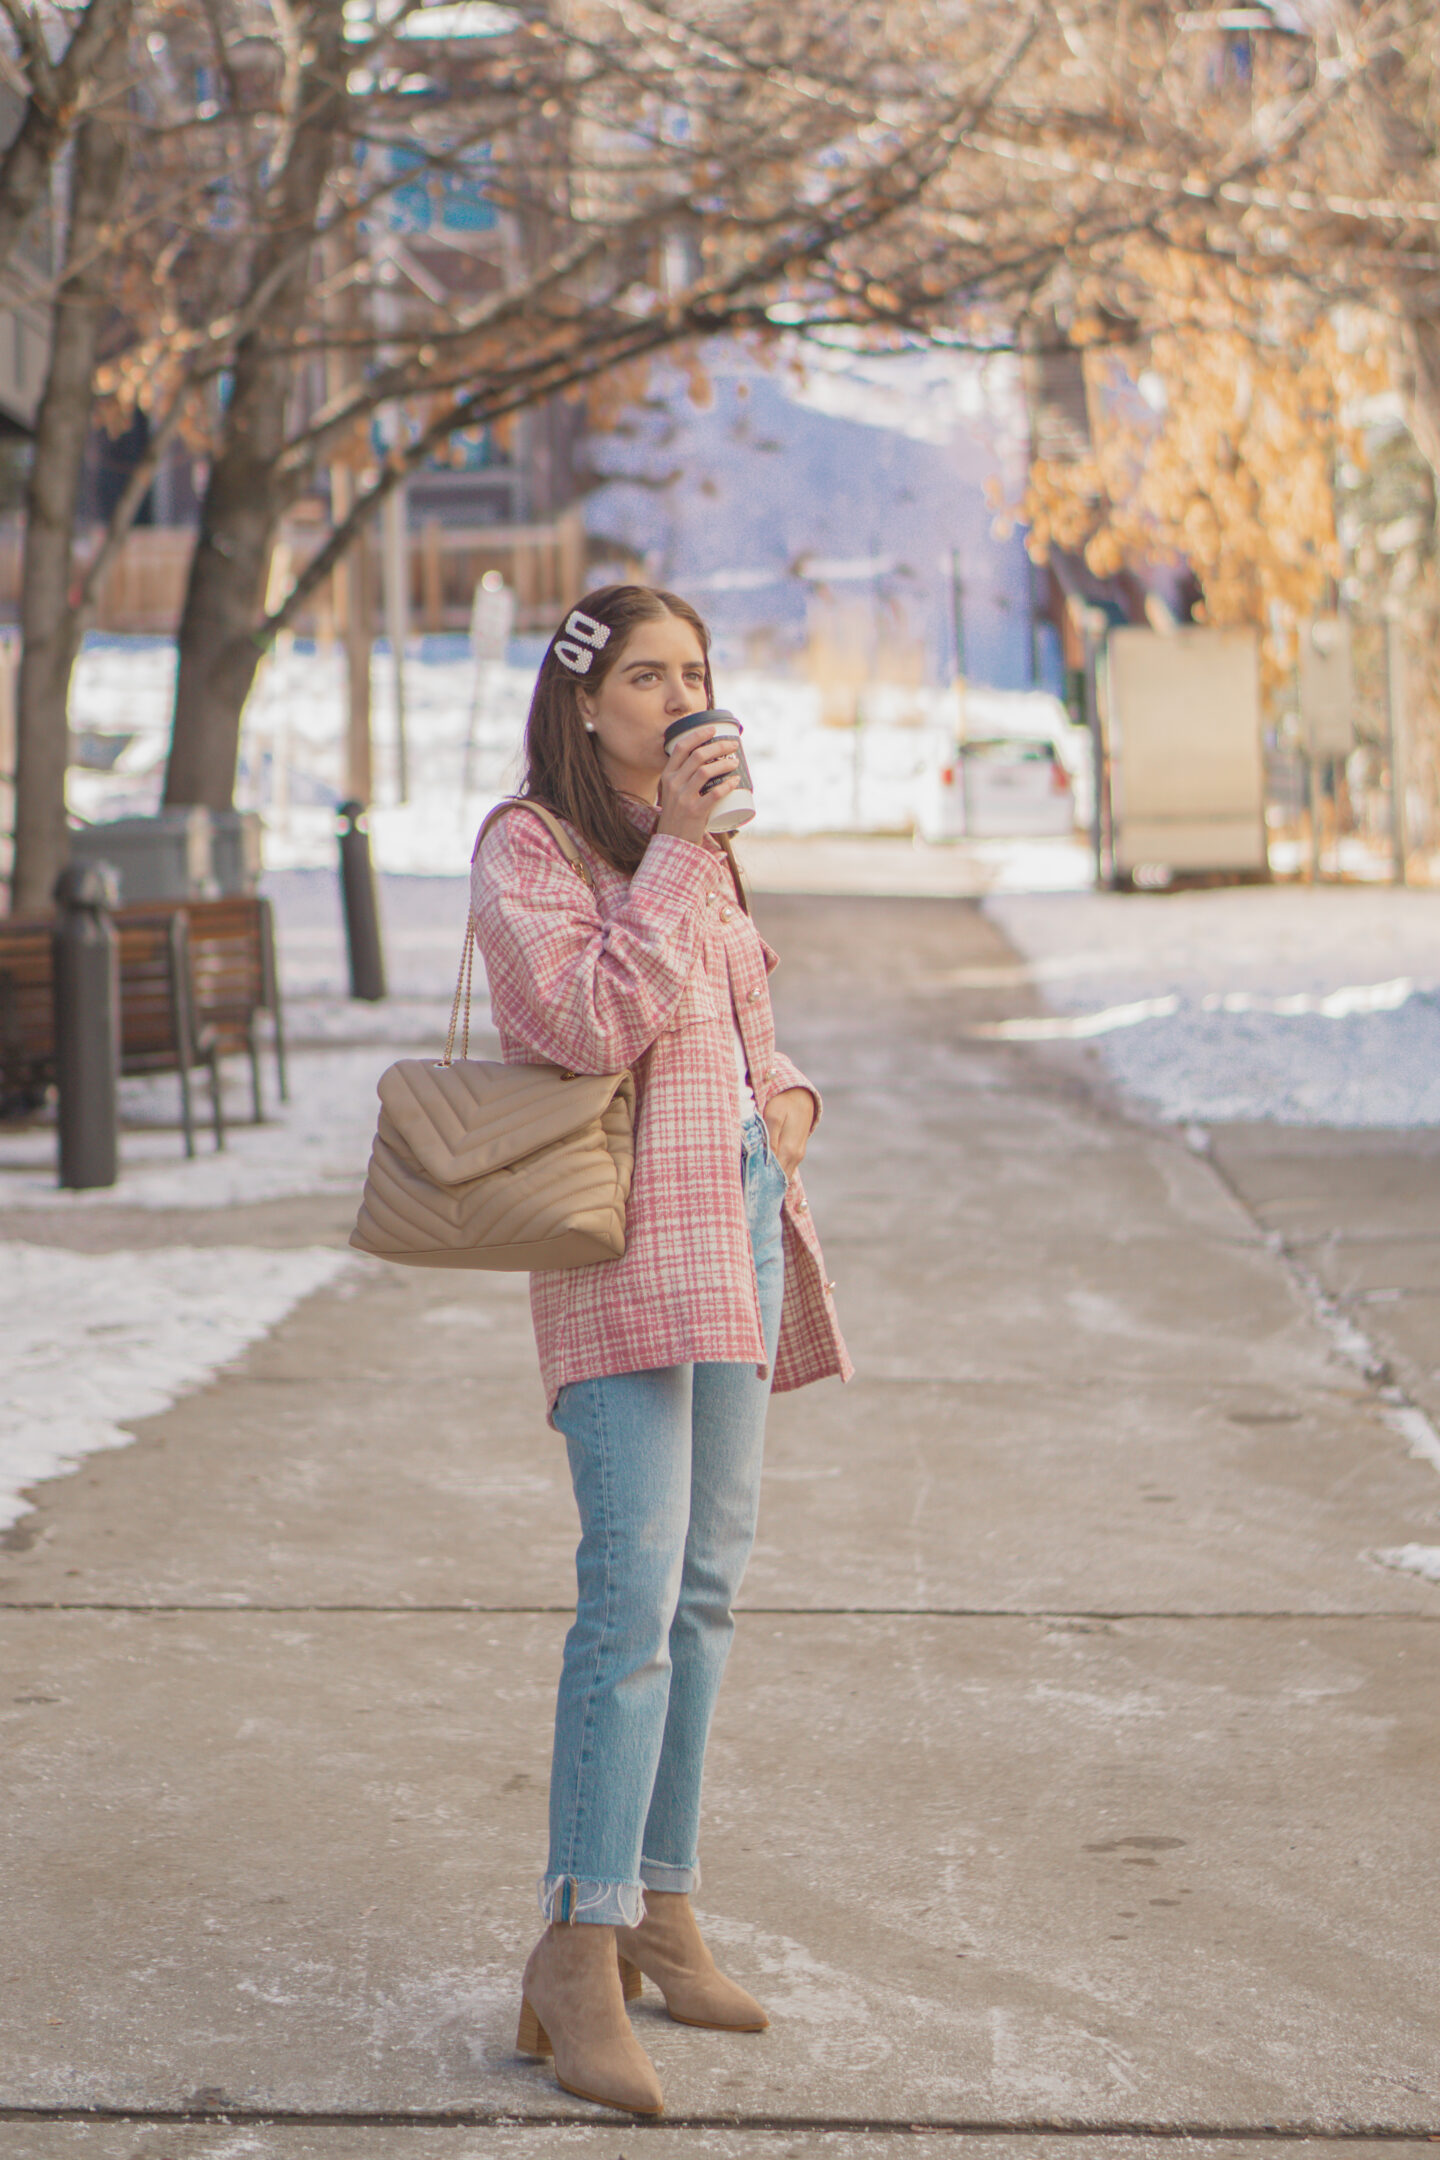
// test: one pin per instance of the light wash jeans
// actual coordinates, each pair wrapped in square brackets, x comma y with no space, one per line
[666,1466]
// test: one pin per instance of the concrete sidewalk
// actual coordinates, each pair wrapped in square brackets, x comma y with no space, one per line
[1076,1769]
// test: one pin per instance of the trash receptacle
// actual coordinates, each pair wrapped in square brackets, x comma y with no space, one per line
[236,857]
[167,857]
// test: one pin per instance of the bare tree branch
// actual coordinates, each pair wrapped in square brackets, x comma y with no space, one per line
[56,89]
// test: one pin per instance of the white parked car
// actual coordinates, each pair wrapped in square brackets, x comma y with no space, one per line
[1005,785]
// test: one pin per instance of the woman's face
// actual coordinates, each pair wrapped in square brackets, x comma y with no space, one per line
[658,676]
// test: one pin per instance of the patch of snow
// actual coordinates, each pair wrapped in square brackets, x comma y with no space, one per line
[463,751]
[1421,1560]
[1350,1342]
[1404,1417]
[1415,1429]
[319,1143]
[1301,1005]
[95,1341]
[1082,1026]
[1270,940]
[1369,1071]
[1333,1005]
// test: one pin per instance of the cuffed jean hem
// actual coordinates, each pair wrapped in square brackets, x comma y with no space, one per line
[657,1876]
[601,1904]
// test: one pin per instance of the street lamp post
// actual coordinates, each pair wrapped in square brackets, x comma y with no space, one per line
[360,907]
[1092,623]
[86,969]
[395,560]
[957,611]
[1395,743]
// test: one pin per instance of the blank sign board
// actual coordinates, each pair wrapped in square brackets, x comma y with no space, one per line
[1188,776]
[1327,687]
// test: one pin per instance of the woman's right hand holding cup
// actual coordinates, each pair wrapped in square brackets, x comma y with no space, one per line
[685,812]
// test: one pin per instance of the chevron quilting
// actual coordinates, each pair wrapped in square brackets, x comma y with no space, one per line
[461,1121]
[496,1166]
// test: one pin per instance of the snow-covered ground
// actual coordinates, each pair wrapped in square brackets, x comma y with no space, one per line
[1303,1006]
[319,1143]
[463,736]
[94,1341]
[1308,1006]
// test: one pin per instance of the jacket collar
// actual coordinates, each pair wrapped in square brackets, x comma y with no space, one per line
[645,817]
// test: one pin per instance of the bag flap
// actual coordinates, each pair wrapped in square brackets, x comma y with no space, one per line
[461,1121]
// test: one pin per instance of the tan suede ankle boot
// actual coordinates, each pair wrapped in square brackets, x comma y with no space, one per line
[572,2008]
[670,1950]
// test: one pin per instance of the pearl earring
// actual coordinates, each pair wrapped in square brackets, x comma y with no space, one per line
[589,727]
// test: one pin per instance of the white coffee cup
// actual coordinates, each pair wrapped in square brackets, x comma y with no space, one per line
[738,808]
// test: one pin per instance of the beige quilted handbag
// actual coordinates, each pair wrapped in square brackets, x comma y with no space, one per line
[478,1165]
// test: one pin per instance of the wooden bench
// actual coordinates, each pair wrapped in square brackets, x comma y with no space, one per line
[27,1014]
[232,950]
[159,1027]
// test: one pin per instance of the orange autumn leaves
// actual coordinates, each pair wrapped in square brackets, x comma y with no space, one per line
[1215,441]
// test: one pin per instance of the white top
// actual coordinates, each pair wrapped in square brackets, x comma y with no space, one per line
[748,1106]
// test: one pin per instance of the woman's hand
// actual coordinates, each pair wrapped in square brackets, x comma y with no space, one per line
[685,813]
[790,1120]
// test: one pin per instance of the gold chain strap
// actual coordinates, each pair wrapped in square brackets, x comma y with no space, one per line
[466,977]
[462,989]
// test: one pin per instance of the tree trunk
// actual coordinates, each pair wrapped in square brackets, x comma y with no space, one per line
[49,620]
[1417,356]
[219,644]
[26,164]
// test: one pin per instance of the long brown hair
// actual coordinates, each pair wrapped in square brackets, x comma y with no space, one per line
[562,761]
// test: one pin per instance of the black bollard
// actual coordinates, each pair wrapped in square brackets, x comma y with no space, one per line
[362,913]
[87,1025]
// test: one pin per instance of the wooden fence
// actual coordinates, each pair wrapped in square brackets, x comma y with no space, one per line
[144,588]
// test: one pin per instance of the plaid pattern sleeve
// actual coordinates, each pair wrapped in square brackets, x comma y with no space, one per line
[788,1075]
[584,991]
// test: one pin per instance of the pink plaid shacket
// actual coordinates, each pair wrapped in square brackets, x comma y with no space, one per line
[645,972]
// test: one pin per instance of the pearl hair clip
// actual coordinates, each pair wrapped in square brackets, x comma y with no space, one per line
[583,640]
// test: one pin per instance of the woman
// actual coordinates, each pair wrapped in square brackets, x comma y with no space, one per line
[657,1366]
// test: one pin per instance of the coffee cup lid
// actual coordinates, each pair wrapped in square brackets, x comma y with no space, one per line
[695,719]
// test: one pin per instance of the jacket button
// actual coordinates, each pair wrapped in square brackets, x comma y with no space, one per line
[802,1207]
[829,1287]
[770,1075]
[752,997]
[726,913]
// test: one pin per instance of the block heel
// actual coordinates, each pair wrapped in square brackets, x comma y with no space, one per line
[532,2038]
[572,2009]
[631,1984]
[669,1949]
